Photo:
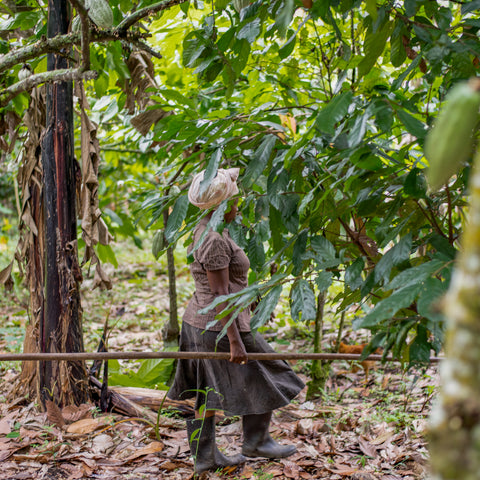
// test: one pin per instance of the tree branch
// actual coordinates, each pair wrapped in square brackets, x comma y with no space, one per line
[145,12]
[147,48]
[55,44]
[64,75]
[85,45]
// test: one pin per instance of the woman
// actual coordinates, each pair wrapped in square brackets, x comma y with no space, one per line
[251,389]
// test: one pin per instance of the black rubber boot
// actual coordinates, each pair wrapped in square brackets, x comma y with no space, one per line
[201,437]
[257,441]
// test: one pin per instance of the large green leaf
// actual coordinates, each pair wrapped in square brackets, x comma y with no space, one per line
[259,161]
[397,254]
[176,218]
[302,301]
[412,124]
[388,307]
[374,45]
[335,110]
[265,308]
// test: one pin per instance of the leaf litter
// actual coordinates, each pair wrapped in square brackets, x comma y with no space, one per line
[357,430]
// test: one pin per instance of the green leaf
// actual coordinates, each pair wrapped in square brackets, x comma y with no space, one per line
[353,274]
[388,307]
[410,7]
[256,254]
[358,130]
[323,280]
[299,248]
[176,218]
[155,371]
[398,55]
[260,159]
[416,274]
[325,252]
[265,308]
[443,246]
[250,31]
[470,6]
[428,303]
[412,124]
[373,47]
[192,49]
[415,185]
[106,254]
[211,170]
[284,17]
[288,47]
[335,110]
[177,97]
[302,301]
[397,254]
[419,351]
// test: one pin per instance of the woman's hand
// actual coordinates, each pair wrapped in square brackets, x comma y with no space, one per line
[238,353]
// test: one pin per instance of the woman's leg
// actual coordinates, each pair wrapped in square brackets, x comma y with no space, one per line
[201,437]
[257,441]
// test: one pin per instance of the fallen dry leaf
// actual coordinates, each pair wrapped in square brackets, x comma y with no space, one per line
[87,425]
[102,443]
[366,447]
[54,414]
[72,413]
[4,427]
[152,447]
[290,469]
[344,470]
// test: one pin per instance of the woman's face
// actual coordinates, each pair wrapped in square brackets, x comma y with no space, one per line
[231,212]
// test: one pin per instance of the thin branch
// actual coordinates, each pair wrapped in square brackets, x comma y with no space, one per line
[147,48]
[85,45]
[145,12]
[450,223]
[43,46]
[431,218]
[56,44]
[63,75]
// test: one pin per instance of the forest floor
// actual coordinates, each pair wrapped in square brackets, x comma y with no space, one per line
[359,428]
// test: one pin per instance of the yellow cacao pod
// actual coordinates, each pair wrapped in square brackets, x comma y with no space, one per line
[100,13]
[450,141]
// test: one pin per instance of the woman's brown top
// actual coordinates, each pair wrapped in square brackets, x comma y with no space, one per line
[216,252]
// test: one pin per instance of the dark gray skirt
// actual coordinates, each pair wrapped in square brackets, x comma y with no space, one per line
[254,388]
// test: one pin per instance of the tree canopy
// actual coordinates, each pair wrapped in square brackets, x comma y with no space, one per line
[323,105]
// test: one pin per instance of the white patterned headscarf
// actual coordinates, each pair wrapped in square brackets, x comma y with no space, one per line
[223,186]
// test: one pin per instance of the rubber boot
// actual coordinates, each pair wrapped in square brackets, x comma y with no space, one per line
[201,437]
[257,441]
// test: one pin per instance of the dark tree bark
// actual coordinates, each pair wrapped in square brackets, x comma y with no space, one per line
[61,329]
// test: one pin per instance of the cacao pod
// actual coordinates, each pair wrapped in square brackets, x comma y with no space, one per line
[239,4]
[450,141]
[158,243]
[100,13]
[76,24]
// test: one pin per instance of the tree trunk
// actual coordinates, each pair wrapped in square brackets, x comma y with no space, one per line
[61,329]
[455,419]
[319,370]
[171,330]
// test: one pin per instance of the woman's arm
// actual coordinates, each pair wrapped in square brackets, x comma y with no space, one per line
[218,280]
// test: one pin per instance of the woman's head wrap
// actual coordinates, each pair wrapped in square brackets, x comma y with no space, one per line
[223,186]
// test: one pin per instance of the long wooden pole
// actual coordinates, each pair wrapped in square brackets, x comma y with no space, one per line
[24,357]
